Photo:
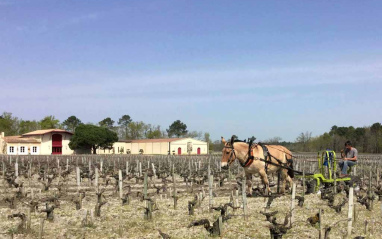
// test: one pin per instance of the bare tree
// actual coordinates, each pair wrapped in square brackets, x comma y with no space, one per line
[303,139]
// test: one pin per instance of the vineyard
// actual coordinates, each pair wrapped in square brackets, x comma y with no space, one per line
[139,196]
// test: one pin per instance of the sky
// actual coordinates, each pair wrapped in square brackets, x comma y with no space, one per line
[249,68]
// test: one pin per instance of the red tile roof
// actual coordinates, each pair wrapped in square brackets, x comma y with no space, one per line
[20,139]
[46,131]
[150,140]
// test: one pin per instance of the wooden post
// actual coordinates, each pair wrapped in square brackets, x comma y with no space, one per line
[210,188]
[292,204]
[120,185]
[59,170]
[78,178]
[237,197]
[220,226]
[365,232]
[3,169]
[145,186]
[303,180]
[350,211]
[377,177]
[41,232]
[231,199]
[16,169]
[174,184]
[363,176]
[29,219]
[243,190]
[101,166]
[96,179]
[335,182]
[370,191]
[154,171]
[140,169]
[320,223]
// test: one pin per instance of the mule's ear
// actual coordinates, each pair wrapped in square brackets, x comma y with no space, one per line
[232,139]
[223,140]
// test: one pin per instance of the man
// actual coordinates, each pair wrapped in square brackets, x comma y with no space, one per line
[349,158]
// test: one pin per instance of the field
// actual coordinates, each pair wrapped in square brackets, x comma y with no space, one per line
[134,196]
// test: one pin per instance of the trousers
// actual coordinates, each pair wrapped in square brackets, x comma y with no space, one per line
[344,165]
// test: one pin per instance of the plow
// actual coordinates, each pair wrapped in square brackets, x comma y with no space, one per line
[326,175]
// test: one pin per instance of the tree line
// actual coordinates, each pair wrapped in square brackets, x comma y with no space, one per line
[125,128]
[366,139]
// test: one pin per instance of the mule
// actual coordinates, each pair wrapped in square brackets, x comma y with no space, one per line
[280,155]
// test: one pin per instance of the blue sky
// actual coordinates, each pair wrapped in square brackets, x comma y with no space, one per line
[262,68]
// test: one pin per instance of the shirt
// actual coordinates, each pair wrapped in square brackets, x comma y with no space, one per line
[351,153]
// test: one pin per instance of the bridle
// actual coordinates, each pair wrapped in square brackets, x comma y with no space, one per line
[231,159]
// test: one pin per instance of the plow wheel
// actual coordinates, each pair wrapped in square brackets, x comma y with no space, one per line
[354,181]
[311,186]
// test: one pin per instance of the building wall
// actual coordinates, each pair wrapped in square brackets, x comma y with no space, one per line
[183,145]
[28,148]
[118,148]
[148,148]
[157,147]
[3,149]
[46,143]
[164,148]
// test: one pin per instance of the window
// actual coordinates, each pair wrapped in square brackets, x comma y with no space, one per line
[22,149]
[11,149]
[34,149]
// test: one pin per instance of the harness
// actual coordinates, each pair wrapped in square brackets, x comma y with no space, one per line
[267,158]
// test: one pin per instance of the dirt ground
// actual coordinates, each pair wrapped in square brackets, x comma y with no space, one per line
[127,221]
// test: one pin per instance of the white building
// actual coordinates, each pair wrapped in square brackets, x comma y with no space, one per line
[176,146]
[56,142]
[45,142]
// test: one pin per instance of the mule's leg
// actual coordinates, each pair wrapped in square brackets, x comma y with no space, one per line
[283,175]
[248,178]
[264,178]
[289,182]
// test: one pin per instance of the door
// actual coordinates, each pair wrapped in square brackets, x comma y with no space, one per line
[198,150]
[179,151]
[57,144]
